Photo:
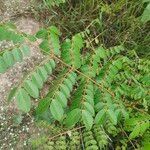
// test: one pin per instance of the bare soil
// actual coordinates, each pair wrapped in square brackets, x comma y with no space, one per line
[12,136]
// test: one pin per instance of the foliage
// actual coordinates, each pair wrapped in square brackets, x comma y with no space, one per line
[137,126]
[9,57]
[107,22]
[70,139]
[101,82]
[106,87]
[145,16]
[50,3]
[50,39]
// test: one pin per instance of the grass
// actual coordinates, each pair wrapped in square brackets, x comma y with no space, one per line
[109,22]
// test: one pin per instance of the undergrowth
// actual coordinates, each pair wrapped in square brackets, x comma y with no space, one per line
[100,93]
[108,22]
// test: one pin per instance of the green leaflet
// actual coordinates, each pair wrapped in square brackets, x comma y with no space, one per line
[71,51]
[11,94]
[112,72]
[31,38]
[43,105]
[72,77]
[77,41]
[56,110]
[54,38]
[48,68]
[61,143]
[43,73]
[118,113]
[144,126]
[68,83]
[31,88]
[53,64]
[99,106]
[37,80]
[112,116]
[3,66]
[77,58]
[55,30]
[89,93]
[8,58]
[55,43]
[42,33]
[101,115]
[87,119]
[25,50]
[145,79]
[139,129]
[65,54]
[125,114]
[62,99]
[45,46]
[131,122]
[116,49]
[144,1]
[76,98]
[23,100]
[135,132]
[89,99]
[92,144]
[64,88]
[88,70]
[73,117]
[18,57]
[102,53]
[77,44]
[89,108]
[118,63]
[145,16]
[6,34]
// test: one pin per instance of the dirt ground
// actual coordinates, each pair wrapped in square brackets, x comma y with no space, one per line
[15,137]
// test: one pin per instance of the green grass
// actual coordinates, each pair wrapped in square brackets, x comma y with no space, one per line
[109,22]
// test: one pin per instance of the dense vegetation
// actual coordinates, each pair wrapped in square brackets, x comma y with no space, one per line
[98,54]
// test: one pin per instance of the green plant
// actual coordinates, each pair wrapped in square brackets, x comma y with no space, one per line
[92,86]
[76,138]
[145,16]
[50,3]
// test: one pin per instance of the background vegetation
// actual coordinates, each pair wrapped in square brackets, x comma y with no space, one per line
[98,55]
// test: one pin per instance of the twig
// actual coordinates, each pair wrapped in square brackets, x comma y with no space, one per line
[127,137]
[55,136]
